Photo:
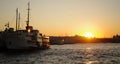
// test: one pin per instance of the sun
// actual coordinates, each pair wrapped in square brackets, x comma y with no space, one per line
[89,35]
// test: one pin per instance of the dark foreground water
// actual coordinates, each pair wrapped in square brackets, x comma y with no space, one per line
[67,54]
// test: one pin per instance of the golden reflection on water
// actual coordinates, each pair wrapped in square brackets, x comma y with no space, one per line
[89,54]
[88,48]
[91,62]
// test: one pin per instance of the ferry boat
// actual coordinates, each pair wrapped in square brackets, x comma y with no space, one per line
[23,39]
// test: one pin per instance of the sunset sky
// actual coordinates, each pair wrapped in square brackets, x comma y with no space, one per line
[65,17]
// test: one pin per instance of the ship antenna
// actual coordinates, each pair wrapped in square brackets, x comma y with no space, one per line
[28,14]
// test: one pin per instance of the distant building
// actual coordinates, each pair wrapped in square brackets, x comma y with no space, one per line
[116,38]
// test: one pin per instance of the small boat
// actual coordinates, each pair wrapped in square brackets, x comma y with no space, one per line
[23,39]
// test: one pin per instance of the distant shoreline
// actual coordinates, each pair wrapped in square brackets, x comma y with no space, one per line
[79,39]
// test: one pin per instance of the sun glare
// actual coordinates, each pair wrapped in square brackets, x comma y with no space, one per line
[89,35]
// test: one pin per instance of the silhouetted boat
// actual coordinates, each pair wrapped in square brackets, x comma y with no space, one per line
[23,39]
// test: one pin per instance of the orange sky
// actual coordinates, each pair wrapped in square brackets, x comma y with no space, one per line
[65,17]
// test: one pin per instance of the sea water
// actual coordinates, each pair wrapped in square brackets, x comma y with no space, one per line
[90,53]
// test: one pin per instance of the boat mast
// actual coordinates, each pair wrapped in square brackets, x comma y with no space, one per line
[28,14]
[19,22]
[16,19]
